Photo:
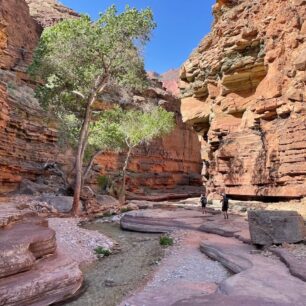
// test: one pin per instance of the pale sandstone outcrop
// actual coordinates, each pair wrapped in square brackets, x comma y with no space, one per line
[48,12]
[244,91]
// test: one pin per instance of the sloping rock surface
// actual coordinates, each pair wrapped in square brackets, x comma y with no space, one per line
[295,265]
[51,280]
[260,279]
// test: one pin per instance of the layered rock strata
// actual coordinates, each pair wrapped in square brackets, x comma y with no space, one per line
[167,165]
[29,140]
[244,92]
[48,12]
[31,271]
[19,34]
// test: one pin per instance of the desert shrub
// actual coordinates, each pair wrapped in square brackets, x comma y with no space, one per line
[103,182]
[165,240]
[101,252]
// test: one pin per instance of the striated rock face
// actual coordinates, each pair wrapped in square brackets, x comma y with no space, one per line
[244,92]
[16,47]
[168,165]
[29,139]
[31,271]
[48,12]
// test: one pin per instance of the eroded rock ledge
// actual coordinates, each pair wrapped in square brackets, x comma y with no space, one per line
[244,93]
[31,269]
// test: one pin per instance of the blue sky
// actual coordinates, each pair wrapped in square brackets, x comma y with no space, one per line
[181,24]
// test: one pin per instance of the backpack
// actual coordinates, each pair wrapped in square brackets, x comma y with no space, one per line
[203,200]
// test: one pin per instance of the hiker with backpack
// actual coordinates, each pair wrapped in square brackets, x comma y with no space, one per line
[225,205]
[203,201]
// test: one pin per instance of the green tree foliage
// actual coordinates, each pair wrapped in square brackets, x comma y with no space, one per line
[76,61]
[119,129]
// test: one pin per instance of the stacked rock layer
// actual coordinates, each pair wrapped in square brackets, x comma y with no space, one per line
[244,92]
[29,139]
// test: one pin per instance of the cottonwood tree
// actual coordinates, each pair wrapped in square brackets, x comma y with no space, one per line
[77,60]
[124,130]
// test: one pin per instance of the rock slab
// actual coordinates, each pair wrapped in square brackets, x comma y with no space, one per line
[276,227]
[51,280]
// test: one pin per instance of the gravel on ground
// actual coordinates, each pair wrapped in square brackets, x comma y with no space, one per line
[76,242]
[184,271]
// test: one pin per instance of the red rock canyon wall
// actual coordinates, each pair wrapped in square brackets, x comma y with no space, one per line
[28,139]
[244,92]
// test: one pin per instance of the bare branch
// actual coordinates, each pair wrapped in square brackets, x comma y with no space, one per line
[79,94]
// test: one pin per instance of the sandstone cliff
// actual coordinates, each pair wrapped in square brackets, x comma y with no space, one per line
[169,79]
[244,92]
[48,12]
[29,140]
[168,165]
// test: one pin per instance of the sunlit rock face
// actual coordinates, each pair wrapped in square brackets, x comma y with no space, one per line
[48,12]
[15,21]
[29,138]
[171,164]
[244,92]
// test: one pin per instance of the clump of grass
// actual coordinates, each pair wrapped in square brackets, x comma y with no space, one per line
[125,209]
[102,252]
[103,182]
[165,240]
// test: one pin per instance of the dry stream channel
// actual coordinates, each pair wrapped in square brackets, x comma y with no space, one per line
[110,279]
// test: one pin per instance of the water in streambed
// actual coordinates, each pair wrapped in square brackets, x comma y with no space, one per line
[110,279]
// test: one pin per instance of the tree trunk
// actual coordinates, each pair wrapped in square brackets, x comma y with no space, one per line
[122,198]
[86,172]
[79,163]
[100,84]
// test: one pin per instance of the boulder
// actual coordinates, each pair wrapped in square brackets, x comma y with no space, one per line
[132,206]
[21,244]
[62,204]
[32,188]
[106,200]
[275,227]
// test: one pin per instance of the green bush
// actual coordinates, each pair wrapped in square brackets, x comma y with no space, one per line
[101,252]
[103,182]
[165,240]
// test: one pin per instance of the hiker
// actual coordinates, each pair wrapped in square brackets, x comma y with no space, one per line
[224,202]
[203,201]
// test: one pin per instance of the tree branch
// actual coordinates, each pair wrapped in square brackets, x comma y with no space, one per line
[79,94]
